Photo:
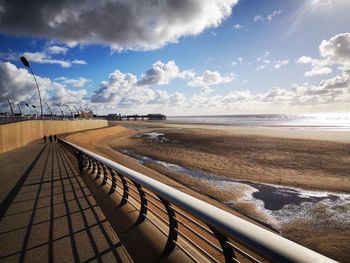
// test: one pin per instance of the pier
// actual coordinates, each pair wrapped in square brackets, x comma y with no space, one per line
[119,117]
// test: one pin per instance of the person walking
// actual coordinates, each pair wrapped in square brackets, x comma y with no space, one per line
[44,138]
[55,138]
[50,138]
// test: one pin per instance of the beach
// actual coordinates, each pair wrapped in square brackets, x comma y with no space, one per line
[243,169]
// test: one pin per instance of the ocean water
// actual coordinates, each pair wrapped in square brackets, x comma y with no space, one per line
[331,121]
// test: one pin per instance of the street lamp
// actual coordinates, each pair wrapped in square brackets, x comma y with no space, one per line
[10,106]
[49,110]
[26,63]
[20,111]
[36,116]
[29,109]
[59,106]
[70,111]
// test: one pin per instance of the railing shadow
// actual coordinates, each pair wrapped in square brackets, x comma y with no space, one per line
[57,219]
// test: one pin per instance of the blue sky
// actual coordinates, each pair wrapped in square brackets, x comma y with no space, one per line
[208,57]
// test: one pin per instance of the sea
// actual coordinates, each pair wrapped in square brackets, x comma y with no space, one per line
[329,121]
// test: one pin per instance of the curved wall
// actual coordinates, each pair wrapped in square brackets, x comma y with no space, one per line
[17,134]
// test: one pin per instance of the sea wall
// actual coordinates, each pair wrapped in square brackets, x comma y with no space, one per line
[17,134]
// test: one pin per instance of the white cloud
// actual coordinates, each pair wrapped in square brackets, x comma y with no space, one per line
[264,57]
[280,63]
[331,94]
[268,18]
[273,14]
[18,85]
[326,3]
[318,71]
[261,67]
[210,78]
[133,24]
[238,27]
[239,60]
[78,83]
[266,61]
[335,51]
[57,50]
[44,57]
[163,73]
[63,95]
[79,62]
[123,91]
[305,60]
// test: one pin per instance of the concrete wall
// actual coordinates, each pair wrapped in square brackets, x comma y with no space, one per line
[17,134]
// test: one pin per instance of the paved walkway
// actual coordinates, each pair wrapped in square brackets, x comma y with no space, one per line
[47,214]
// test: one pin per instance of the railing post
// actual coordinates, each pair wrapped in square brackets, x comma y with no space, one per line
[80,158]
[227,251]
[143,202]
[85,163]
[104,180]
[125,191]
[99,170]
[89,164]
[94,168]
[173,226]
[114,181]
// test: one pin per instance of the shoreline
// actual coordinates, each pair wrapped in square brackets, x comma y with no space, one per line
[273,131]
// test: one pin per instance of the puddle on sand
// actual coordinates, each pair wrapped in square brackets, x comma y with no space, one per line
[134,127]
[276,197]
[280,204]
[154,137]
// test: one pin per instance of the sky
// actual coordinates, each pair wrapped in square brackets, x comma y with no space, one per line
[177,57]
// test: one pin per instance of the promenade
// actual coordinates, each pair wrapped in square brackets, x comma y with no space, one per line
[47,214]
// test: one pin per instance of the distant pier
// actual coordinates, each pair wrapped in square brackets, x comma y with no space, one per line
[119,117]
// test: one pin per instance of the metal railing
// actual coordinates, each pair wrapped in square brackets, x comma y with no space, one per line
[202,231]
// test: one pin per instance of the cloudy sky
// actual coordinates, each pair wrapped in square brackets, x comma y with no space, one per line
[178,57]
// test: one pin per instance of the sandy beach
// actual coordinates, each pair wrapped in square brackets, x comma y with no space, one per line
[273,156]
[277,157]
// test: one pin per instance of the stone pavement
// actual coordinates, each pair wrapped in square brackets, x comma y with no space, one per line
[47,214]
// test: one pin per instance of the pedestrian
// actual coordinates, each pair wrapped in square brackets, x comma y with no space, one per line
[44,138]
[50,138]
[55,138]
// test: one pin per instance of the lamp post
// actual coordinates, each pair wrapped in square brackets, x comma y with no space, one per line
[75,107]
[36,114]
[70,111]
[10,106]
[26,64]
[59,106]
[30,112]
[49,110]
[20,111]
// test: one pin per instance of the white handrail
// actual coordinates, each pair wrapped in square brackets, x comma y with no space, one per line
[258,239]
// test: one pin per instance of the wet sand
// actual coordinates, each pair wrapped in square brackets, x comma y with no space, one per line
[279,157]
[270,158]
